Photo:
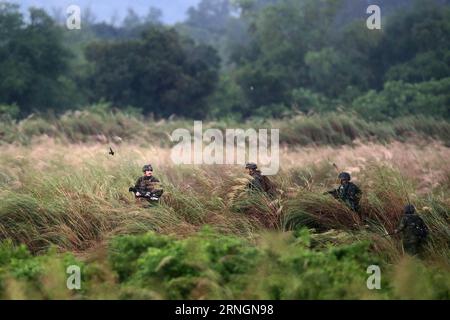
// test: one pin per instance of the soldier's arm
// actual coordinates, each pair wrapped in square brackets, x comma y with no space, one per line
[155,183]
[358,192]
[333,192]
[423,224]
[256,184]
[354,193]
[137,185]
[402,225]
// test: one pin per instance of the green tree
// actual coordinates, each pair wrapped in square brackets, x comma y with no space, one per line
[416,44]
[403,99]
[161,72]
[33,61]
[275,62]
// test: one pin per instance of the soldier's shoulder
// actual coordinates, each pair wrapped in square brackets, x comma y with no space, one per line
[416,217]
[257,177]
[354,186]
[411,218]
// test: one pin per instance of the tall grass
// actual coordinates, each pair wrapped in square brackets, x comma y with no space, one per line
[73,201]
[101,124]
[74,198]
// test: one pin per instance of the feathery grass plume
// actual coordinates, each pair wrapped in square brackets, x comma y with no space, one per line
[321,212]
[75,198]
[436,216]
[257,206]
[385,193]
[312,175]
[103,124]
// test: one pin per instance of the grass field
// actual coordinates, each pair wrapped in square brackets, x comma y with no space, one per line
[99,123]
[68,203]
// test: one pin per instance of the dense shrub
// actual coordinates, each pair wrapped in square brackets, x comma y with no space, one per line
[399,99]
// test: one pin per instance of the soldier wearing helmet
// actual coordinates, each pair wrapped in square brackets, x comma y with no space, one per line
[413,229]
[259,182]
[147,185]
[347,192]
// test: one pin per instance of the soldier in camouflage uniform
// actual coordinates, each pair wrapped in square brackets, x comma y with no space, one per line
[147,186]
[347,192]
[413,229]
[259,182]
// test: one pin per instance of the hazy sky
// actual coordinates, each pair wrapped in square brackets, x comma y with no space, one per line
[173,10]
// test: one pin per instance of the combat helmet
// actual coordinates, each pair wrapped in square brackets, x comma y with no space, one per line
[251,166]
[147,167]
[344,176]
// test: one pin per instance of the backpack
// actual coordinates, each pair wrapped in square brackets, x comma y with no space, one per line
[268,186]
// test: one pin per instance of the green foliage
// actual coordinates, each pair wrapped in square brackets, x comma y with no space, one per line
[184,264]
[249,250]
[209,265]
[161,72]
[399,99]
[178,265]
[104,124]
[215,23]
[336,273]
[276,57]
[424,66]
[280,61]
[306,100]
[227,100]
[125,251]
[300,56]
[23,275]
[33,61]
[8,112]
[277,267]
[9,252]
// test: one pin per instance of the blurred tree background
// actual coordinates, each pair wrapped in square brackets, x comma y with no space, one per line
[233,59]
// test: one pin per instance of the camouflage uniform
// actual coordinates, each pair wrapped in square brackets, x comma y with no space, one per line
[259,182]
[414,231]
[347,192]
[146,184]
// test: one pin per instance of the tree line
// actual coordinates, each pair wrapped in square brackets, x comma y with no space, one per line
[233,59]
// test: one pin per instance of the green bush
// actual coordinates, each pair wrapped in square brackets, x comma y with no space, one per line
[9,112]
[399,99]
[178,265]
[126,250]
[227,266]
[306,100]
[42,276]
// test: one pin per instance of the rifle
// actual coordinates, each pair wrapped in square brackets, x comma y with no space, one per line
[336,167]
[390,234]
[333,192]
[150,195]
